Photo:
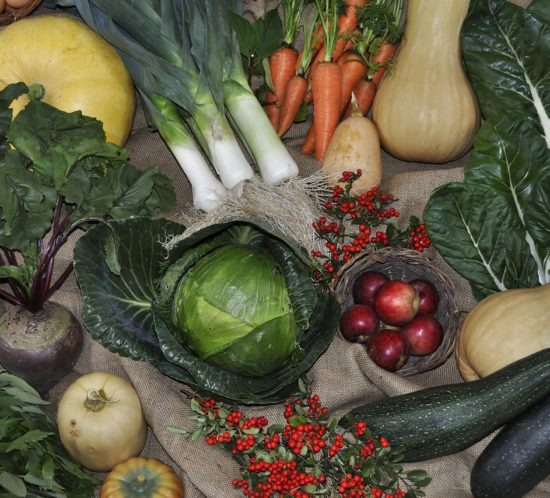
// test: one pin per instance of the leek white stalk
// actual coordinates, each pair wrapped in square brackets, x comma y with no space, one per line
[271,156]
[153,41]
[208,191]
[225,153]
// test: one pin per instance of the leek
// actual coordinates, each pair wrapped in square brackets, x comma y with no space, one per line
[271,156]
[208,191]
[153,36]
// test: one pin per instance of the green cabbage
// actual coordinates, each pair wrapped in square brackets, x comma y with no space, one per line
[233,310]
[230,310]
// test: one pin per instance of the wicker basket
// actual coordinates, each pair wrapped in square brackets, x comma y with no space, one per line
[404,264]
[11,15]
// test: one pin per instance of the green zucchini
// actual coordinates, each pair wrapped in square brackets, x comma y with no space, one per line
[517,458]
[446,419]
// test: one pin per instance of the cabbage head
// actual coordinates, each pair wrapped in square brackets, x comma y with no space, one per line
[231,310]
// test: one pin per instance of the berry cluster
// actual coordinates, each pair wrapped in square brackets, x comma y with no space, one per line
[309,455]
[356,223]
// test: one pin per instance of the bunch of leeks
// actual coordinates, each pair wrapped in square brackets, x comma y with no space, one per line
[185,62]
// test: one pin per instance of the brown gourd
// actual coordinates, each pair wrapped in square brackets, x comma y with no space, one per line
[425,109]
[501,329]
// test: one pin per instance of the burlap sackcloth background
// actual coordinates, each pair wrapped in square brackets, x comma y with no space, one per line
[344,376]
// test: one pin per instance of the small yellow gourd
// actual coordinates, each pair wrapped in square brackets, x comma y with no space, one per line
[140,477]
[425,109]
[101,421]
[501,329]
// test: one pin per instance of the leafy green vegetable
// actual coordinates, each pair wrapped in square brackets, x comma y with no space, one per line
[493,228]
[129,279]
[57,174]
[33,462]
[257,39]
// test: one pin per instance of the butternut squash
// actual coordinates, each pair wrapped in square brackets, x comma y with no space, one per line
[425,109]
[354,145]
[501,329]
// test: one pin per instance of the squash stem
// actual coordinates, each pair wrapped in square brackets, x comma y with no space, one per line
[96,399]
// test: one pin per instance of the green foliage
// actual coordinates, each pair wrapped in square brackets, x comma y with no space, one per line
[33,461]
[257,39]
[57,173]
[493,228]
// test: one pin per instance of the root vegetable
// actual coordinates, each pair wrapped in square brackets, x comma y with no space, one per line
[40,347]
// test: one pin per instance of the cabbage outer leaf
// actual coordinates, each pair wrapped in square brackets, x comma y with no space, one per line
[116,305]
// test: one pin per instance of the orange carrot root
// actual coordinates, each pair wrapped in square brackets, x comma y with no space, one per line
[282,67]
[353,70]
[364,93]
[309,142]
[384,54]
[294,96]
[272,108]
[327,90]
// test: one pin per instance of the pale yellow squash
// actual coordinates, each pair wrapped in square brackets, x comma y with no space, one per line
[354,145]
[501,329]
[78,69]
[101,421]
[425,109]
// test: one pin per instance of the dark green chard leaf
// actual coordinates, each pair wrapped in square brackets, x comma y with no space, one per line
[507,54]
[493,228]
[476,227]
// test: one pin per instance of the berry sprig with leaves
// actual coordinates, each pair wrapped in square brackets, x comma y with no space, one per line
[353,224]
[308,456]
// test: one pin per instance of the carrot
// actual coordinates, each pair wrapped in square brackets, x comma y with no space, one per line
[364,93]
[309,94]
[294,96]
[271,108]
[354,70]
[281,67]
[383,55]
[346,27]
[309,142]
[347,23]
[326,86]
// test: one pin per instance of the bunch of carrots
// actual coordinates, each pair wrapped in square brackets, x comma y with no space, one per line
[347,48]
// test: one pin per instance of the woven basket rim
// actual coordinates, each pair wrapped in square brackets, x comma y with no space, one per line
[12,15]
[408,260]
